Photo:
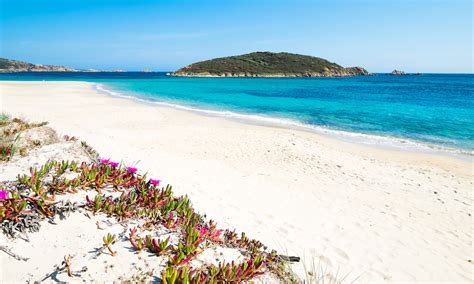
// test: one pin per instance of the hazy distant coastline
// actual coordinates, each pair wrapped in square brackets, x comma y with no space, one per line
[13,66]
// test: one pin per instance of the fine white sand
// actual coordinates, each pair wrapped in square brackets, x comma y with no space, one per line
[374,214]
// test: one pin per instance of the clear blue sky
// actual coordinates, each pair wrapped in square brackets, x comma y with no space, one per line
[380,35]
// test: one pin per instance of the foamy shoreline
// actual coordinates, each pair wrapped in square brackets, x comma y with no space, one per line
[379,141]
[377,214]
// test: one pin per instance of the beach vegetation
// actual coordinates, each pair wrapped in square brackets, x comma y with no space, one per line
[10,130]
[4,118]
[155,246]
[7,149]
[32,197]
[108,241]
[222,273]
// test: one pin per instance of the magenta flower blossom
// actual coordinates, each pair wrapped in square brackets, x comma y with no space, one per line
[155,181]
[3,194]
[132,169]
[114,164]
[104,161]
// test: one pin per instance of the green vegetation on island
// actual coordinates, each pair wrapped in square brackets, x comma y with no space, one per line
[268,64]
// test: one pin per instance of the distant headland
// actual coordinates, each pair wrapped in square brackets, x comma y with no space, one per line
[10,66]
[268,64]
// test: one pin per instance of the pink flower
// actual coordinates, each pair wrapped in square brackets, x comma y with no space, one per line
[3,194]
[155,181]
[203,231]
[114,164]
[215,236]
[104,161]
[132,169]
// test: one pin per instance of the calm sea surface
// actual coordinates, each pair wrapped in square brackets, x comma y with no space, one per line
[429,111]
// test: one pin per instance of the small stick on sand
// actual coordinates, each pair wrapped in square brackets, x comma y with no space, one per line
[98,226]
[66,267]
[290,258]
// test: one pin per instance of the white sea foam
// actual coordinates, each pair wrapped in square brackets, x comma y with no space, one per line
[362,138]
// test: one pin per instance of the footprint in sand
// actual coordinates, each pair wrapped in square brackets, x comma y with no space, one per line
[289,225]
[341,253]
[283,230]
[325,261]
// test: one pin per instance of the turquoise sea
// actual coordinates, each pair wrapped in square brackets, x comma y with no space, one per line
[427,111]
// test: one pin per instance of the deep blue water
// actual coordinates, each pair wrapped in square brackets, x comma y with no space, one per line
[436,109]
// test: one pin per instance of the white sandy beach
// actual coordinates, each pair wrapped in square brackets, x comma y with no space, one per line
[374,214]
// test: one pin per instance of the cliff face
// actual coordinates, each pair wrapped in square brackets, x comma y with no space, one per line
[268,64]
[355,71]
[7,65]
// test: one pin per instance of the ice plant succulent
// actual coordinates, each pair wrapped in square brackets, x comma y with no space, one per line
[222,273]
[108,241]
[161,247]
[156,246]
[138,244]
[210,232]
[13,208]
[141,198]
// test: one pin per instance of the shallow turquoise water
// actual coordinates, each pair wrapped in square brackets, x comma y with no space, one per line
[436,109]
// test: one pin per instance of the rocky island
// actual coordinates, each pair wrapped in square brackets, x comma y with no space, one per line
[268,64]
[398,72]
